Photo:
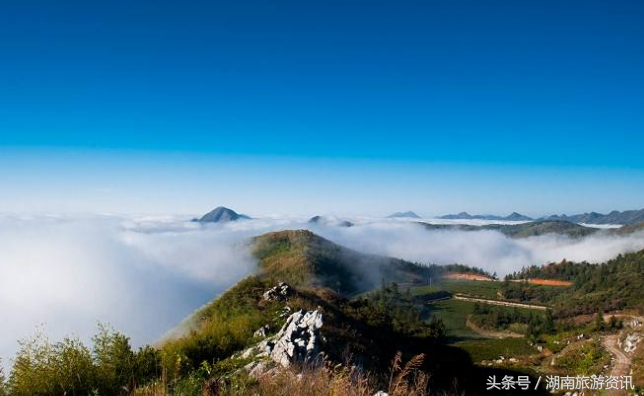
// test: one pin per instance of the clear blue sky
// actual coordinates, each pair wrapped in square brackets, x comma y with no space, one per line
[427,97]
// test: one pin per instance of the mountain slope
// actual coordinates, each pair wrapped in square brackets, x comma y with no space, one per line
[302,258]
[522,230]
[221,215]
[614,217]
[402,215]
[615,284]
[364,331]
[514,216]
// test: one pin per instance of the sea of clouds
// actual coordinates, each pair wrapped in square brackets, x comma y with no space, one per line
[143,275]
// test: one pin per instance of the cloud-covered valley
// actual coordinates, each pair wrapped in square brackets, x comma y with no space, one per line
[143,275]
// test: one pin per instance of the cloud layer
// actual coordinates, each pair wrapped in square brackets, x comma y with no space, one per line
[144,275]
[489,250]
[141,276]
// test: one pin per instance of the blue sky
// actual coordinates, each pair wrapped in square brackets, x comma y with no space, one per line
[349,106]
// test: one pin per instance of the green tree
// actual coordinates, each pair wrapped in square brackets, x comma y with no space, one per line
[115,362]
[437,328]
[46,369]
[394,289]
[614,323]
[3,390]
[599,321]
[549,323]
[147,365]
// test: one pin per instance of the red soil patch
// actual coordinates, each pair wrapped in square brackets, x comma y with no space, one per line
[545,282]
[458,275]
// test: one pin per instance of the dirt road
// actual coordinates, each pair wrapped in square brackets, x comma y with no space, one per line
[500,303]
[621,364]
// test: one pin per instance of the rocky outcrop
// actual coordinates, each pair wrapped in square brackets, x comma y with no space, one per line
[261,332]
[298,340]
[281,292]
[630,343]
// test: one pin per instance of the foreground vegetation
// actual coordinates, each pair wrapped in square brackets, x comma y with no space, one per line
[68,367]
[406,315]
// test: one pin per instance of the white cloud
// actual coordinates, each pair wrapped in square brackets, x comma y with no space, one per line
[144,275]
[489,250]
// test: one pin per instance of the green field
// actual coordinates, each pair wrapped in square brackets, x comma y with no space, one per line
[482,289]
[489,349]
[454,314]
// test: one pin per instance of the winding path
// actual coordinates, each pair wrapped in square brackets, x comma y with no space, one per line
[499,302]
[621,364]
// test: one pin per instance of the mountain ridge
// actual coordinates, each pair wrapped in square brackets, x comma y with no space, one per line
[614,217]
[408,214]
[514,216]
[221,214]
[302,258]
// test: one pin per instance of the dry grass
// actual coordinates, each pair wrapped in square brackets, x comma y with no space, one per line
[405,380]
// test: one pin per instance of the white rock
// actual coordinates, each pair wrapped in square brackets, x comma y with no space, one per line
[298,340]
[259,369]
[281,292]
[261,332]
[630,343]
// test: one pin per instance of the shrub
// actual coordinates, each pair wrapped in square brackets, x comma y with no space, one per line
[3,391]
[224,326]
[71,368]
[42,368]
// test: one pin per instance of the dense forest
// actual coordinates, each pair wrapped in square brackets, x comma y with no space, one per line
[616,284]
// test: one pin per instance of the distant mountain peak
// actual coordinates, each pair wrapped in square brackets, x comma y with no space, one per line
[409,214]
[323,220]
[614,217]
[514,216]
[221,214]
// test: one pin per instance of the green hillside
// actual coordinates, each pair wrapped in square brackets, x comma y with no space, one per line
[302,258]
[522,230]
[616,284]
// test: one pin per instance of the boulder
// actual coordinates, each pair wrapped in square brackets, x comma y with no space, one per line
[261,332]
[281,292]
[258,369]
[298,340]
[630,343]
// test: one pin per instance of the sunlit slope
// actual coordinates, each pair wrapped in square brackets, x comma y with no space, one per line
[302,258]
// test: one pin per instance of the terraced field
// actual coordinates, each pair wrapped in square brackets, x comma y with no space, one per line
[482,289]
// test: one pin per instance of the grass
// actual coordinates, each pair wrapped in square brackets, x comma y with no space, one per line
[472,288]
[489,349]
[586,358]
[403,379]
[454,314]
[483,289]
[224,326]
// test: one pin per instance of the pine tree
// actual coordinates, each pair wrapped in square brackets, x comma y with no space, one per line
[599,321]
[549,323]
[3,391]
